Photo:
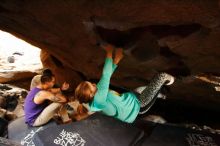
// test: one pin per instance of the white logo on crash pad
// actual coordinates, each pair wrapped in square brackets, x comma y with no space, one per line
[69,139]
[28,140]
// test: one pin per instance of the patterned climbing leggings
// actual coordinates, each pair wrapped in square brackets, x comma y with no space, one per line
[148,94]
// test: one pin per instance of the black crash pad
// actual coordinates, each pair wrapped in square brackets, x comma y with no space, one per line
[23,134]
[171,135]
[7,142]
[97,130]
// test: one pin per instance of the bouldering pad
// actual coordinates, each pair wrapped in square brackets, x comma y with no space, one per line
[171,135]
[98,130]
[22,133]
[7,142]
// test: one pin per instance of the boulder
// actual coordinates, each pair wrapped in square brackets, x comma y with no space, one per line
[2,102]
[178,37]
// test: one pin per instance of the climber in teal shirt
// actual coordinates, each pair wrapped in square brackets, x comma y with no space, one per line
[125,106]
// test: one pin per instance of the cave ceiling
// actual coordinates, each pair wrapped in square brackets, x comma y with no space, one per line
[180,37]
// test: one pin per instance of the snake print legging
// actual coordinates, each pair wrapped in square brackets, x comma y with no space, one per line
[149,94]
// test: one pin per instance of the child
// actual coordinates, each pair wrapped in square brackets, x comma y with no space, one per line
[125,106]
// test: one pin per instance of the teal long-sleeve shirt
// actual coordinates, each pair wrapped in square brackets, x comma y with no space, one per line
[124,107]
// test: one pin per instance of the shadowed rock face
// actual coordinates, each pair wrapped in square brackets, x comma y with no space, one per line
[178,37]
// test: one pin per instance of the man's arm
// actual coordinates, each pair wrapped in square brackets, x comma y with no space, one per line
[46,95]
[54,90]
[58,98]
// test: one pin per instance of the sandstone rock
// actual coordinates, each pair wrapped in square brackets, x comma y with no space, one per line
[2,102]
[182,39]
[2,112]
[19,110]
[10,116]
[7,77]
[14,98]
[11,59]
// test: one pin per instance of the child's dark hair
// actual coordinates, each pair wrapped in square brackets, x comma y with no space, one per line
[47,71]
[46,78]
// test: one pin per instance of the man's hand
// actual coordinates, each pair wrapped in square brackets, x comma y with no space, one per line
[118,55]
[65,86]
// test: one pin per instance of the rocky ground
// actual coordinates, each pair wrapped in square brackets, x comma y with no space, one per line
[11,104]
